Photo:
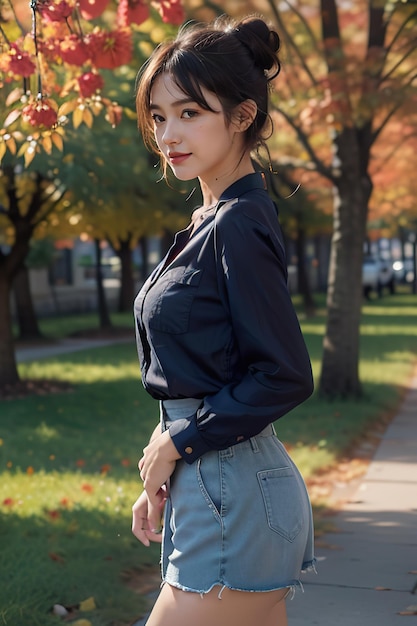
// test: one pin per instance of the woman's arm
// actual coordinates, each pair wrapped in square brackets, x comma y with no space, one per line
[155,466]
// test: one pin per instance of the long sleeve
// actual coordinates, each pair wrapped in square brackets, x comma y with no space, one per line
[276,371]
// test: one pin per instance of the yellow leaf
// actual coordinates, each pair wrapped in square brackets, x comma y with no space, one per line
[14,96]
[77,117]
[29,156]
[88,118]
[81,622]
[12,117]
[88,605]
[58,142]
[47,144]
[11,144]
[67,107]
[2,149]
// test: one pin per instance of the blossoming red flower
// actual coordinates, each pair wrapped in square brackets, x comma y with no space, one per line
[112,48]
[171,11]
[89,83]
[40,113]
[73,50]
[17,62]
[132,12]
[90,9]
[55,10]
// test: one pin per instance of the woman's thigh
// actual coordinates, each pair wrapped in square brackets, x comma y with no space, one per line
[233,608]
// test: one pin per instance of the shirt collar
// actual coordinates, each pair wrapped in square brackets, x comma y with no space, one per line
[250,182]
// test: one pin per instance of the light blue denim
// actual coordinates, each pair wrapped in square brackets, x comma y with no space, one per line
[238,518]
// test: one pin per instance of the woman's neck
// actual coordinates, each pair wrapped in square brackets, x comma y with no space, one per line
[212,190]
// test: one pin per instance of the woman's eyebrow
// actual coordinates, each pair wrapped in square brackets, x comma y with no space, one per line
[176,103]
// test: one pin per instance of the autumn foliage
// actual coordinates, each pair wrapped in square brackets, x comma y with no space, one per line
[52,53]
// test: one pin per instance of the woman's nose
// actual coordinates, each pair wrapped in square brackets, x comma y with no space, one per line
[170,134]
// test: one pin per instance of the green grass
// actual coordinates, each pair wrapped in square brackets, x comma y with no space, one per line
[68,462]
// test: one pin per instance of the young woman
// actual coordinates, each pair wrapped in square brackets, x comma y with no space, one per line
[219,345]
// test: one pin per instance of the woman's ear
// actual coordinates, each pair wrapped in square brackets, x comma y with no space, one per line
[244,115]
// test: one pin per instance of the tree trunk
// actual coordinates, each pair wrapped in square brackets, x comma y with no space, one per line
[340,364]
[304,287]
[126,294]
[145,257]
[103,309]
[8,369]
[26,316]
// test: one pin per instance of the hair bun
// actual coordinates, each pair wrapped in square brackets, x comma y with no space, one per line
[262,42]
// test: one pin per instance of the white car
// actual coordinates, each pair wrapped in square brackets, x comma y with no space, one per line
[376,275]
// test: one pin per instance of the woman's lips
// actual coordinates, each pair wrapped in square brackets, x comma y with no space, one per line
[178,157]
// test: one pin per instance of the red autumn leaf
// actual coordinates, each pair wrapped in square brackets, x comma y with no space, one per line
[53,514]
[105,468]
[80,463]
[8,502]
[30,470]
[87,488]
[65,502]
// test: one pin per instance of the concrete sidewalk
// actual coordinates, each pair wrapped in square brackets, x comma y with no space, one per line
[367,571]
[65,346]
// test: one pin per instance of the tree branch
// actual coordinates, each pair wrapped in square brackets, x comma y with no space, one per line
[303,139]
[290,41]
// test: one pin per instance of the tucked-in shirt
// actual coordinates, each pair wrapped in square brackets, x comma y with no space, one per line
[215,322]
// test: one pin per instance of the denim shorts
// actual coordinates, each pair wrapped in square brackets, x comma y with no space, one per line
[238,518]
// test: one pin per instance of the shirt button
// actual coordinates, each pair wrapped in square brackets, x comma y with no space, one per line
[188,450]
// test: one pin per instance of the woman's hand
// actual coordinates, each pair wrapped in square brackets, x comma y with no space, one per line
[140,522]
[156,466]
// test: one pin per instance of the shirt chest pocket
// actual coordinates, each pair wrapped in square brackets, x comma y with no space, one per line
[169,301]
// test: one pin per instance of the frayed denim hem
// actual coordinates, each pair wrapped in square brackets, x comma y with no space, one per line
[202,592]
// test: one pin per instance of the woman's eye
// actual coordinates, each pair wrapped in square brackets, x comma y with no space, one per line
[157,118]
[188,114]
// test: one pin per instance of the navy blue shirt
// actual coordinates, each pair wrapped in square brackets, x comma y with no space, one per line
[215,321]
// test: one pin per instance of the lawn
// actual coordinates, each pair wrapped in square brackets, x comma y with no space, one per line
[68,463]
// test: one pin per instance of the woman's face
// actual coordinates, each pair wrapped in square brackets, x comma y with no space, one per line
[196,142]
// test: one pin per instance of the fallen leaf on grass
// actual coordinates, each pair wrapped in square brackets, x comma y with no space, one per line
[87,488]
[88,605]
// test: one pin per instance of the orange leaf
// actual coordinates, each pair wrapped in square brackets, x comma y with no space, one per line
[87,488]
[105,468]
[29,470]
[55,557]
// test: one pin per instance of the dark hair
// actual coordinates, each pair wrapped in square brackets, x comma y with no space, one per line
[234,60]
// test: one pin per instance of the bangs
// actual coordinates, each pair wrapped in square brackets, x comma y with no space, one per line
[185,69]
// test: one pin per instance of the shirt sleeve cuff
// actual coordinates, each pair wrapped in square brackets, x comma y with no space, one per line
[187,439]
